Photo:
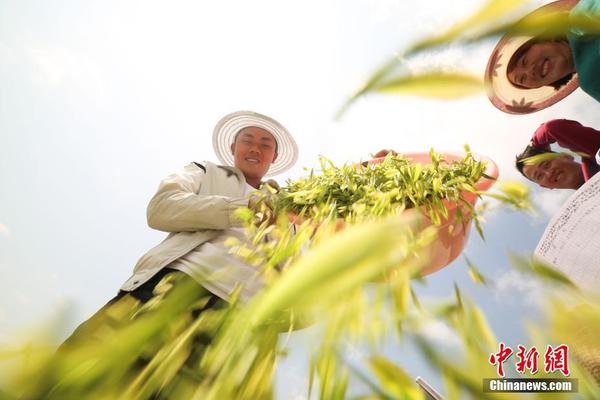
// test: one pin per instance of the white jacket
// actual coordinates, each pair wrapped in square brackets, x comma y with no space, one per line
[193,205]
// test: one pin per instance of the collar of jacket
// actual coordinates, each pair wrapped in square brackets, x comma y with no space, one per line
[230,170]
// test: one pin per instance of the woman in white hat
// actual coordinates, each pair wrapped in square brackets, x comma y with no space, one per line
[529,73]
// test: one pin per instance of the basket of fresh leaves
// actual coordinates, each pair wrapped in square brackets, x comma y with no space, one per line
[442,187]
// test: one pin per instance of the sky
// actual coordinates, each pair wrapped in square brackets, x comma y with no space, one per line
[100,100]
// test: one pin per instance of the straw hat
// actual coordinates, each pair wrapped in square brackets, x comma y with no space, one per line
[512,99]
[226,129]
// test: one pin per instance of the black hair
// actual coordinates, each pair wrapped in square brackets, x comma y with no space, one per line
[562,81]
[524,47]
[529,151]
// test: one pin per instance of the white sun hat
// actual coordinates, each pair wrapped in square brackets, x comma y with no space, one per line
[226,129]
[510,98]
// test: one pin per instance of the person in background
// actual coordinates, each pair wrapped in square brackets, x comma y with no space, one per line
[528,73]
[562,171]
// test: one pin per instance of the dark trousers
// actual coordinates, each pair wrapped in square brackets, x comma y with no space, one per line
[145,292]
[163,334]
[140,295]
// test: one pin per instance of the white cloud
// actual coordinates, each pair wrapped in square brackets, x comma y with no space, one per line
[50,66]
[549,201]
[7,54]
[296,381]
[515,286]
[440,334]
[4,230]
[382,10]
[354,353]
[60,65]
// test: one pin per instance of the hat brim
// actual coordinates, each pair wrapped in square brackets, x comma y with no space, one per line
[226,129]
[514,100]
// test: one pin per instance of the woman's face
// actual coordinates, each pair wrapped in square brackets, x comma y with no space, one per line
[541,64]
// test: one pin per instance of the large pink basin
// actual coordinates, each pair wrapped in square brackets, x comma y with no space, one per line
[452,233]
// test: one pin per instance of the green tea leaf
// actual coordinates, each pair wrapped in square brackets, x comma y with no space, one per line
[491,12]
[534,267]
[539,158]
[436,85]
[394,380]
[474,273]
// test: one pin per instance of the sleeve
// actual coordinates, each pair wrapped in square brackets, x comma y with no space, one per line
[585,17]
[568,134]
[177,206]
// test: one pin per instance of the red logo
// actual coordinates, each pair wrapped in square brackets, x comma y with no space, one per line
[500,357]
[527,360]
[555,359]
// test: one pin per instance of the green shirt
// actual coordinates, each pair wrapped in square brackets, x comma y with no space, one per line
[585,45]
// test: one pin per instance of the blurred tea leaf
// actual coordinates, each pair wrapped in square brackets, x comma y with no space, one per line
[438,85]
[513,193]
[459,302]
[474,273]
[554,25]
[537,268]
[539,158]
[394,380]
[374,249]
[401,294]
[491,12]
[468,379]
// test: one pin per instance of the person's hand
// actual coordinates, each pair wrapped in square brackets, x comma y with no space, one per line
[262,203]
[384,152]
[380,154]
[262,206]
[272,183]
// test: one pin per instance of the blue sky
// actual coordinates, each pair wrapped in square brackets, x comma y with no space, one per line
[101,99]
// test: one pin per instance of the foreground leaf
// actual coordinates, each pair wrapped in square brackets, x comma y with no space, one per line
[394,380]
[435,85]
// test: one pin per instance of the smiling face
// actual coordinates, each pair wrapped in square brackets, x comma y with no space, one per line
[254,150]
[558,173]
[540,64]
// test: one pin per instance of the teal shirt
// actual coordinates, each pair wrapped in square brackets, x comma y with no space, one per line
[585,47]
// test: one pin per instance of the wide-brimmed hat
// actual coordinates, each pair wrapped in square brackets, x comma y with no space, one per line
[231,124]
[510,98]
